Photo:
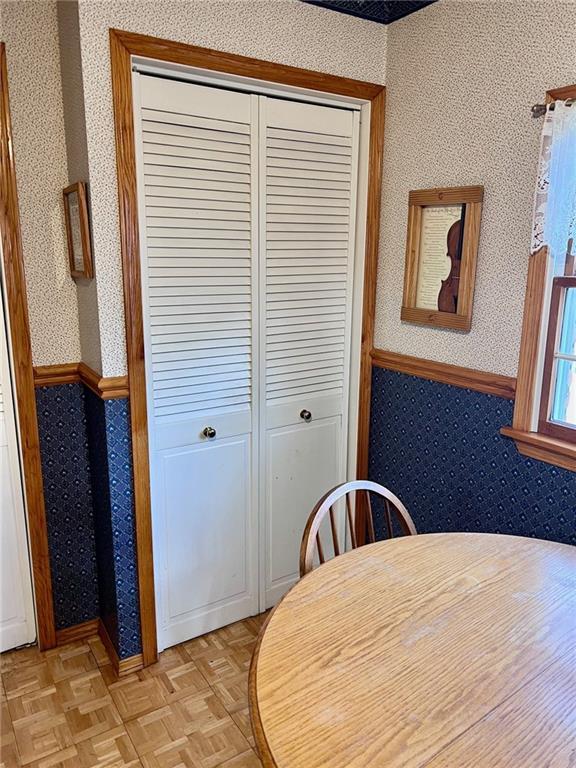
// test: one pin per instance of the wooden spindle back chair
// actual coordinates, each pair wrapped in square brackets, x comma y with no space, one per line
[311,537]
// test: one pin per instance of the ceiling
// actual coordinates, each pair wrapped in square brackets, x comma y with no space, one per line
[380,11]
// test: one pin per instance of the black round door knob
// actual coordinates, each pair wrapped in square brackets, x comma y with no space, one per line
[209,432]
[306,415]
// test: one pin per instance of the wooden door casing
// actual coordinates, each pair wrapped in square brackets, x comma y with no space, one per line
[124,45]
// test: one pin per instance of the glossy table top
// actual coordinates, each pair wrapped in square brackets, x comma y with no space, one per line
[439,650]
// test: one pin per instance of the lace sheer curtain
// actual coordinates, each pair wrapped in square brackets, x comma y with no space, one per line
[554,221]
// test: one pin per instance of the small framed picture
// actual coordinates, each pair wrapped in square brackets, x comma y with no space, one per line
[78,230]
[441,250]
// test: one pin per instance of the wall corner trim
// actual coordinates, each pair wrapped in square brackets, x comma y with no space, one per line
[97,628]
[445,373]
[122,667]
[107,388]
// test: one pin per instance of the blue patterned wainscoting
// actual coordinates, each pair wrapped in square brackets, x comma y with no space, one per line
[68,498]
[439,448]
[112,483]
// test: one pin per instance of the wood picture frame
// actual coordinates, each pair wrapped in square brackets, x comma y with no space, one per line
[78,230]
[431,239]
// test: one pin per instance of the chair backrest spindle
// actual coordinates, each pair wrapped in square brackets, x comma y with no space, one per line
[320,550]
[388,518]
[370,519]
[351,526]
[334,532]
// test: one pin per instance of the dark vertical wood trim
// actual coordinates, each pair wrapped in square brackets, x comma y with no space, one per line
[130,247]
[122,46]
[533,307]
[23,373]
[374,201]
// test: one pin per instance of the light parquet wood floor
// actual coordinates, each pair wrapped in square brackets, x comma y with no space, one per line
[65,708]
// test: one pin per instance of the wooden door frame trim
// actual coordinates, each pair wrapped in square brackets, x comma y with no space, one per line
[124,45]
[23,373]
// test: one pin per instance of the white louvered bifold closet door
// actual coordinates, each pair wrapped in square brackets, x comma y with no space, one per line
[308,174]
[197,192]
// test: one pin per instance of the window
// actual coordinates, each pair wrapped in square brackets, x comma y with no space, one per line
[558,398]
[544,424]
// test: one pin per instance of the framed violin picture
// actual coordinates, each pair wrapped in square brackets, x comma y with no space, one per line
[441,251]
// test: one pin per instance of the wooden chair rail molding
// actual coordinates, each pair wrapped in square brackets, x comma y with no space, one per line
[17,312]
[107,388]
[458,376]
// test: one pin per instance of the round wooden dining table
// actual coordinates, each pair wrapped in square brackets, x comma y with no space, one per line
[444,650]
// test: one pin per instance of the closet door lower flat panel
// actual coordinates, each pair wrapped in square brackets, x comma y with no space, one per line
[301,460]
[308,175]
[206,499]
[197,185]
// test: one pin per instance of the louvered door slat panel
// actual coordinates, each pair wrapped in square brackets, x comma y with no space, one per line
[309,186]
[197,168]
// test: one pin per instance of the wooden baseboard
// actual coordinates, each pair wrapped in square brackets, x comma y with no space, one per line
[77,632]
[122,667]
[106,388]
[458,376]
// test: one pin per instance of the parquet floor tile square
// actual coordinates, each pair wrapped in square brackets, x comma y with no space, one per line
[212,731]
[177,674]
[232,691]
[136,694]
[93,718]
[41,734]
[238,635]
[20,658]
[201,712]
[155,730]
[70,660]
[219,665]
[26,679]
[66,708]
[112,749]
[82,688]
